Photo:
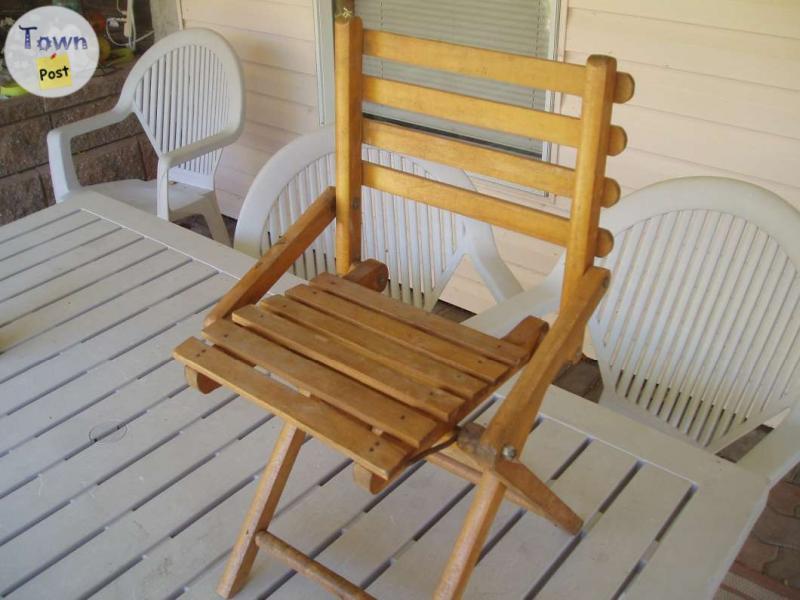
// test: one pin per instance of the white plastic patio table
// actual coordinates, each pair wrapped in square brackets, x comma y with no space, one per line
[119,481]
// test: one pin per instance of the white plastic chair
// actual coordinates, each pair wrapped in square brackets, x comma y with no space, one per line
[188,94]
[421,245]
[699,333]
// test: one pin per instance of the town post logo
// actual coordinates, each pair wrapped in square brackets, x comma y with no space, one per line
[51,51]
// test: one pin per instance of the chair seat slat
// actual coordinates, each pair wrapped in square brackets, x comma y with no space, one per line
[411,364]
[350,436]
[472,339]
[328,351]
[338,390]
[468,361]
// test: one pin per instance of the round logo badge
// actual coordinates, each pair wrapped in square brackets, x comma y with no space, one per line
[51,51]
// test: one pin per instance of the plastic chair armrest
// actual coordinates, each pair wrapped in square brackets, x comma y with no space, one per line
[776,454]
[59,149]
[537,302]
[198,148]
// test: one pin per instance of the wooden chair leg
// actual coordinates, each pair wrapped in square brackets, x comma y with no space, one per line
[262,509]
[456,574]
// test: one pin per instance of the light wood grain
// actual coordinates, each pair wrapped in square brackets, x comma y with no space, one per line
[503,351]
[466,360]
[455,577]
[479,159]
[520,70]
[340,431]
[262,509]
[307,567]
[279,258]
[371,274]
[348,44]
[358,365]
[348,395]
[399,358]
[515,217]
[589,173]
[555,128]
[515,416]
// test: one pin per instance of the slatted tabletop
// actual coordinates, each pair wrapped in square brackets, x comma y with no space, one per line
[119,481]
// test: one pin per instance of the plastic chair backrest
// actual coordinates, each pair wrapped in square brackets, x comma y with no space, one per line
[698,333]
[421,245]
[186,88]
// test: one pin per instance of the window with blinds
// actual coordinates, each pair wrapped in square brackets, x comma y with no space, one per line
[518,26]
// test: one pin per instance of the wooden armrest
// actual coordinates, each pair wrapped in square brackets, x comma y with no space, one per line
[258,280]
[512,423]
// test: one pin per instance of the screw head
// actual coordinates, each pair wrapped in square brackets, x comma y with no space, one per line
[509,452]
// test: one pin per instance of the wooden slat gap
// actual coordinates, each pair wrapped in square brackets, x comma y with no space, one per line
[501,213]
[318,347]
[331,386]
[486,114]
[348,435]
[471,339]
[516,69]
[400,358]
[452,354]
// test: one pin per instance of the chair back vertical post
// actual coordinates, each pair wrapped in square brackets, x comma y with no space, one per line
[349,36]
[597,101]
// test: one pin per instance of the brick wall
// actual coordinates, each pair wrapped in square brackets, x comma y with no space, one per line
[121,151]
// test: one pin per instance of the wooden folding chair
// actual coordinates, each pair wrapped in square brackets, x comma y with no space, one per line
[385,383]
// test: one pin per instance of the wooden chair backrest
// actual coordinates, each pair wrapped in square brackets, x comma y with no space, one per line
[597,82]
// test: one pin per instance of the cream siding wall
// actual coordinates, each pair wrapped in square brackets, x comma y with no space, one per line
[718,93]
[276,43]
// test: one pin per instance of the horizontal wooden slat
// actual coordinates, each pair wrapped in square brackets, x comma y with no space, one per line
[472,339]
[496,116]
[328,351]
[448,352]
[348,395]
[299,561]
[527,71]
[479,159]
[476,62]
[347,435]
[408,363]
[508,215]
